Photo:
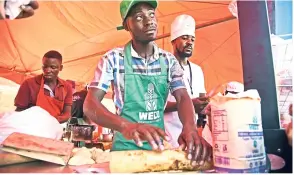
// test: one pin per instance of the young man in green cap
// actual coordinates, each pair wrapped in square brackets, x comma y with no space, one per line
[141,74]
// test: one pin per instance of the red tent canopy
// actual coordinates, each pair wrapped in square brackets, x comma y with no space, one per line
[83,31]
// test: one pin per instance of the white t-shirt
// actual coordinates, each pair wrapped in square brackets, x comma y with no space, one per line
[173,125]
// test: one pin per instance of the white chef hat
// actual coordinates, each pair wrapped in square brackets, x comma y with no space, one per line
[182,25]
[235,86]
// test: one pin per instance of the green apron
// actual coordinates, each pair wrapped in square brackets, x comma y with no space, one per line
[144,101]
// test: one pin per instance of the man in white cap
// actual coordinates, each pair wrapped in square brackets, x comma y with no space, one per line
[182,39]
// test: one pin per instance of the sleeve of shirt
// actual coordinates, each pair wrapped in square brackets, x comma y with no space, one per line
[202,82]
[22,98]
[104,72]
[175,75]
[69,96]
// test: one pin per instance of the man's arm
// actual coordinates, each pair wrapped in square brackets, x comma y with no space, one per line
[171,106]
[98,113]
[22,98]
[65,114]
[66,111]
[185,107]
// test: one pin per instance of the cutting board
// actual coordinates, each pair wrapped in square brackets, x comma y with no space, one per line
[40,148]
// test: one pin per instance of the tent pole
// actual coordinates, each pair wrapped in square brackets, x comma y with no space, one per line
[257,59]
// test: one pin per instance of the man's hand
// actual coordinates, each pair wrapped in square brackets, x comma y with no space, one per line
[27,11]
[207,110]
[139,132]
[197,148]
[200,103]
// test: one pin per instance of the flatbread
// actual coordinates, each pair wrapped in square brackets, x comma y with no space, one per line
[40,148]
[38,144]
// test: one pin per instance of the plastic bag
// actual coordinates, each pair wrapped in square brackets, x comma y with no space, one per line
[238,143]
[34,121]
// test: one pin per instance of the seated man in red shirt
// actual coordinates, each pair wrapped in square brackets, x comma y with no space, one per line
[47,90]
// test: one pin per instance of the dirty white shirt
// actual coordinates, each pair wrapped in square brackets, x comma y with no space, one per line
[172,123]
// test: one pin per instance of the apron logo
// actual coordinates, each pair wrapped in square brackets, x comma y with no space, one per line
[152,113]
[151,98]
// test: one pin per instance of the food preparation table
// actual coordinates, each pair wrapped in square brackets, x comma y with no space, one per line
[46,167]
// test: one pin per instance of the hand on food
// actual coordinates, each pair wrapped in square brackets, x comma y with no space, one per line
[198,150]
[200,103]
[139,132]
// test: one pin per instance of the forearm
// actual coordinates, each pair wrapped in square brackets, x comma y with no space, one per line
[64,117]
[171,107]
[18,109]
[100,115]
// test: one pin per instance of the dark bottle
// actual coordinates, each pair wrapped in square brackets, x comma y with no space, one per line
[201,121]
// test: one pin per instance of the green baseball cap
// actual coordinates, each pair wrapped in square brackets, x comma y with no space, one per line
[126,6]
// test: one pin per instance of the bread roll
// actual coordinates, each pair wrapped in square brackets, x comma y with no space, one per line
[151,161]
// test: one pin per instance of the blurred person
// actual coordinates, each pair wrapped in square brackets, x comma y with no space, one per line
[77,106]
[17,9]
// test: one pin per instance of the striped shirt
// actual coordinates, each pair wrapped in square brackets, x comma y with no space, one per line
[110,71]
